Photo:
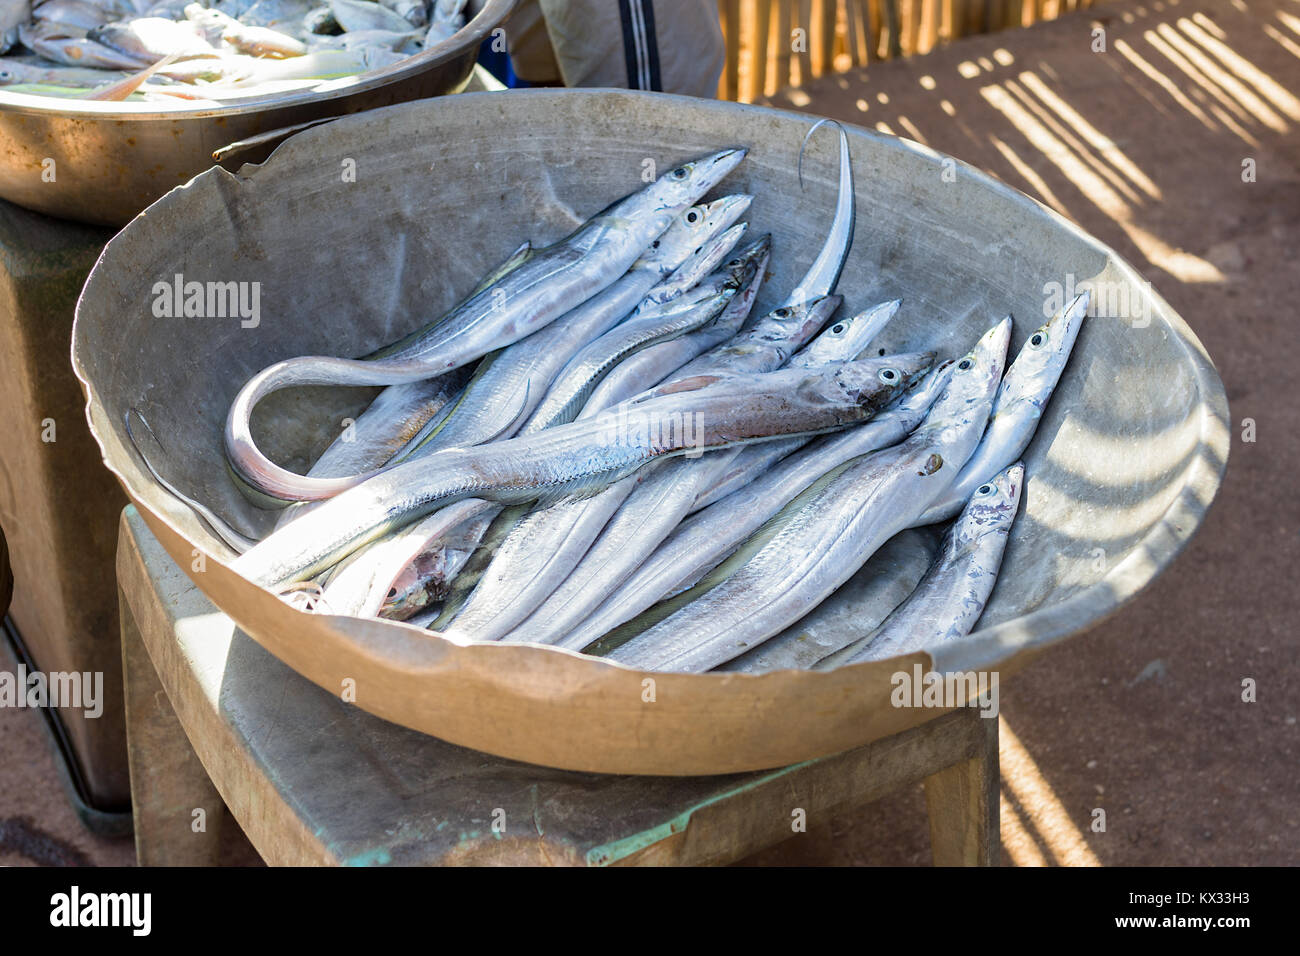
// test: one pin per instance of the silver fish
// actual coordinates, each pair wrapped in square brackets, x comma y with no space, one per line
[1024,394]
[518,380]
[824,273]
[429,577]
[951,597]
[750,462]
[879,586]
[651,366]
[366,15]
[73,13]
[216,27]
[62,46]
[691,244]
[152,38]
[570,459]
[538,555]
[551,283]
[659,502]
[706,539]
[817,543]
[362,583]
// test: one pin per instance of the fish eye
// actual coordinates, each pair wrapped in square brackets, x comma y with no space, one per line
[984,491]
[1038,340]
[679,173]
[838,329]
[693,216]
[782,313]
[964,364]
[889,375]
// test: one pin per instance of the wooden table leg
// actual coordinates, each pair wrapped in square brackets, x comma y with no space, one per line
[963,803]
[178,813]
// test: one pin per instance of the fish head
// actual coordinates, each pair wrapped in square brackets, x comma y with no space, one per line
[1042,358]
[992,506]
[683,185]
[846,339]
[750,260]
[790,326]
[690,235]
[923,393]
[689,261]
[746,272]
[872,383]
[11,73]
[717,290]
[973,381]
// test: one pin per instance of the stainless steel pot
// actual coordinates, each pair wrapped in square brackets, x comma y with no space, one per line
[104,162]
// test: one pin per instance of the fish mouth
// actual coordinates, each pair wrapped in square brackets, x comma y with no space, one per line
[912,366]
[1071,317]
[713,169]
[1013,481]
[992,348]
[727,209]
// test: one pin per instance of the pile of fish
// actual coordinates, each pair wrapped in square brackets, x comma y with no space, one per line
[601,449]
[208,52]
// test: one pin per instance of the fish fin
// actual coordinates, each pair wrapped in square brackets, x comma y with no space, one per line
[121,89]
[684,385]
[515,419]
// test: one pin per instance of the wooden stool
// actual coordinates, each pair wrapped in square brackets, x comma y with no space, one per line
[213,717]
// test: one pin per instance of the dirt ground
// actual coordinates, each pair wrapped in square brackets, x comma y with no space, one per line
[1143,145]
[1147,145]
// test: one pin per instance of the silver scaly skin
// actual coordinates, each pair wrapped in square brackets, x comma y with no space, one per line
[825,535]
[429,576]
[659,502]
[824,273]
[548,544]
[678,257]
[362,583]
[706,539]
[950,598]
[866,599]
[648,368]
[649,326]
[748,463]
[573,459]
[1025,392]
[549,284]
[397,416]
[510,384]
[686,312]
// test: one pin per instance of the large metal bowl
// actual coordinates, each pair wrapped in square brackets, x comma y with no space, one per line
[1120,473]
[110,160]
